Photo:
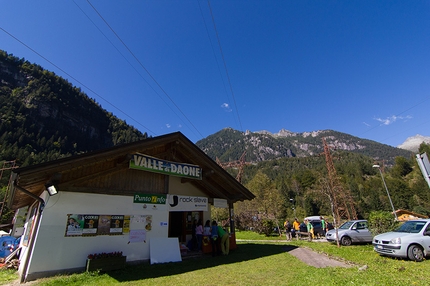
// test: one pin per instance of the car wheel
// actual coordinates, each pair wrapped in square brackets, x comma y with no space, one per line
[415,253]
[346,241]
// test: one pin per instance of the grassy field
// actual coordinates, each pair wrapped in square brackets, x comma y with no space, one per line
[259,260]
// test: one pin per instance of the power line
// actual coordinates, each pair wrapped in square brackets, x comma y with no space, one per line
[126,59]
[225,64]
[213,51]
[397,115]
[75,79]
[150,75]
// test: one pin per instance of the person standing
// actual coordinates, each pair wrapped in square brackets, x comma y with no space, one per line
[287,226]
[199,234]
[296,227]
[225,241]
[323,225]
[215,239]
[207,228]
[310,228]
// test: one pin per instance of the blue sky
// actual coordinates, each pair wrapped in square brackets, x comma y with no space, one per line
[358,67]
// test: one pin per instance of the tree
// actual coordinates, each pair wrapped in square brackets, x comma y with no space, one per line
[265,207]
[401,168]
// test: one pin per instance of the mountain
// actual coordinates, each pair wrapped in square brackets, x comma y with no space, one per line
[44,117]
[229,145]
[413,143]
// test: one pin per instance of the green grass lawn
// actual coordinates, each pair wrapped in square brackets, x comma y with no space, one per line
[262,263]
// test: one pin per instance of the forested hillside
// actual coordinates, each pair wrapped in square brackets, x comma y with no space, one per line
[44,117]
[295,187]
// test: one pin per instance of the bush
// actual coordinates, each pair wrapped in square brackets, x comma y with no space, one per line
[267,226]
[249,221]
[381,221]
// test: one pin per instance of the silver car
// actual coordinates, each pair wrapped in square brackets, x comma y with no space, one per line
[411,240]
[353,231]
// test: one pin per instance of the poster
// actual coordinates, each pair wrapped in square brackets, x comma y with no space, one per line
[103,227]
[137,235]
[141,222]
[75,225]
[116,224]
[91,223]
[126,224]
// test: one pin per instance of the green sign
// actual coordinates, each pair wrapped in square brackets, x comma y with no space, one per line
[150,199]
[151,164]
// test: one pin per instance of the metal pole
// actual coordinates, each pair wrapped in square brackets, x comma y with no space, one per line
[388,193]
[294,207]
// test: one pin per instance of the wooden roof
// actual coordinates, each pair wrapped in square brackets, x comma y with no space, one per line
[104,168]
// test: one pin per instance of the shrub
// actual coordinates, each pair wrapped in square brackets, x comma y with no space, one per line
[381,221]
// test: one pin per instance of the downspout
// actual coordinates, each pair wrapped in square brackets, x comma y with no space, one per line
[41,201]
[34,232]
[32,240]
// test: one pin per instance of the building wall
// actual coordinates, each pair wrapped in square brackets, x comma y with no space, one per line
[178,188]
[53,251]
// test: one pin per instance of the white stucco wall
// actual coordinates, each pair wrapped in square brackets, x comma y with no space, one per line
[54,251]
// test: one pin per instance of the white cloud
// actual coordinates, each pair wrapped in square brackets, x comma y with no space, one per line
[367,124]
[226,107]
[392,119]
[168,125]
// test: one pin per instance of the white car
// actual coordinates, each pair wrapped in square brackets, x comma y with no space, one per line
[411,240]
[353,231]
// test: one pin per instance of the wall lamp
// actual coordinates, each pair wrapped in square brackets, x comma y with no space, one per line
[50,188]
[385,185]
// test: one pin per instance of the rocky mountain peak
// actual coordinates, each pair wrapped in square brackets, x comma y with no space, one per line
[413,143]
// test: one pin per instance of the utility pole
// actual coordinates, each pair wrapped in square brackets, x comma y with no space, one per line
[343,203]
[7,165]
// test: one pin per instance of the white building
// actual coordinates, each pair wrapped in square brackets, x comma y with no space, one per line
[116,200]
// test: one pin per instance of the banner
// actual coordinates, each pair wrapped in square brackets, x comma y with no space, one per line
[149,199]
[187,203]
[151,164]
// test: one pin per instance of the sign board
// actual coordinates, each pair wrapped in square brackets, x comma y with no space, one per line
[164,249]
[151,164]
[187,203]
[423,162]
[150,199]
[220,203]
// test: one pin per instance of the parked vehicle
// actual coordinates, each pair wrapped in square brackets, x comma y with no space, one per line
[316,224]
[411,240]
[353,231]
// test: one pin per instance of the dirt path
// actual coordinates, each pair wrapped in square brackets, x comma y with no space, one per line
[315,259]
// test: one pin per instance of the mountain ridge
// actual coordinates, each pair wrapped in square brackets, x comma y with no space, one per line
[229,145]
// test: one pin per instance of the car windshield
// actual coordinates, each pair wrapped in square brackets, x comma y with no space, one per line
[411,227]
[346,225]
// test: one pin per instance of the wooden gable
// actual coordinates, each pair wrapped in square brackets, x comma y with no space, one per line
[107,172]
